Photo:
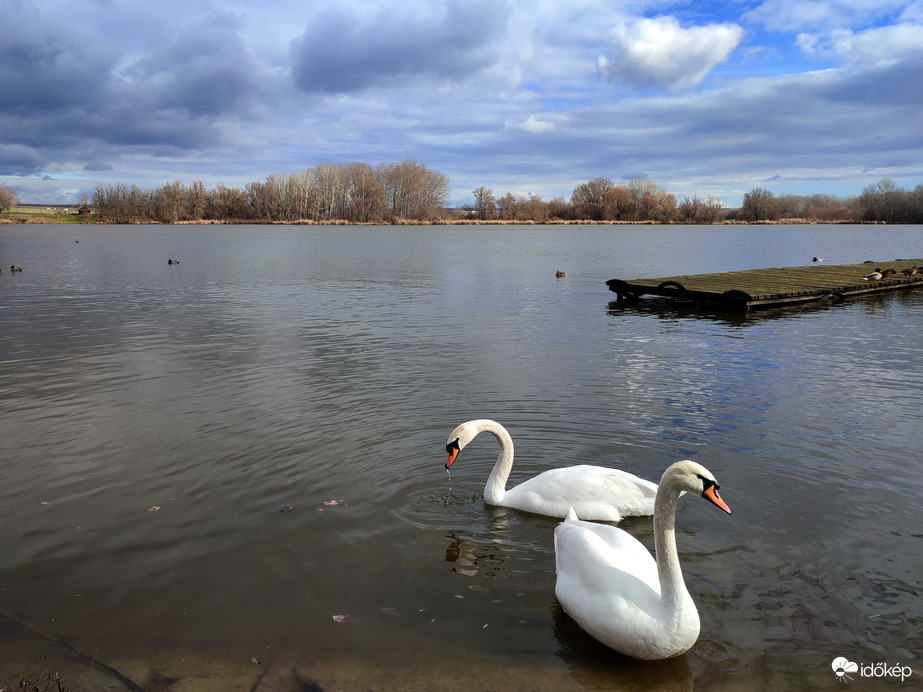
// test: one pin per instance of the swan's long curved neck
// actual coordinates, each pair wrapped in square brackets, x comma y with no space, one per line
[672,587]
[496,482]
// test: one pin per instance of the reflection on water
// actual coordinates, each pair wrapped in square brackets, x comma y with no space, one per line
[296,366]
[469,560]
[672,309]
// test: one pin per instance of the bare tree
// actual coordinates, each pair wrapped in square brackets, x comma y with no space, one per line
[588,198]
[531,208]
[659,207]
[8,198]
[365,197]
[304,196]
[618,204]
[330,184]
[259,197]
[591,192]
[83,205]
[558,208]
[170,201]
[816,207]
[434,193]
[505,206]
[637,188]
[196,200]
[759,205]
[232,203]
[281,196]
[485,206]
[412,191]
[538,209]
[882,200]
[712,211]
[688,209]
[117,203]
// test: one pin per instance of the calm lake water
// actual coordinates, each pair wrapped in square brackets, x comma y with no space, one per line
[280,366]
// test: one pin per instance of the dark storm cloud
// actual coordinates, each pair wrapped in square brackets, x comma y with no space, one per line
[205,70]
[40,72]
[67,94]
[895,83]
[16,159]
[343,52]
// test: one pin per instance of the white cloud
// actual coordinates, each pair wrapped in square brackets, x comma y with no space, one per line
[796,15]
[662,54]
[913,12]
[530,124]
[876,46]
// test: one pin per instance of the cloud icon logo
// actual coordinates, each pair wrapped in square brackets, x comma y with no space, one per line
[841,666]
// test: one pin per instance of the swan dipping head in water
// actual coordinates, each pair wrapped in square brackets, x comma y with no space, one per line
[609,583]
[595,492]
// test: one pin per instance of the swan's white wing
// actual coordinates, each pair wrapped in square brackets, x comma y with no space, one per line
[607,582]
[608,545]
[595,492]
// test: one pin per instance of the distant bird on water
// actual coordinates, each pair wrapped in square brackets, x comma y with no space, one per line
[818,259]
[14,268]
[560,274]
[172,261]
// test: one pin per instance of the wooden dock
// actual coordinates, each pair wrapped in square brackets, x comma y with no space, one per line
[753,289]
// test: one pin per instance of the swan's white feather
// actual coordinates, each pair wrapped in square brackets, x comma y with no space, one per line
[596,492]
[611,585]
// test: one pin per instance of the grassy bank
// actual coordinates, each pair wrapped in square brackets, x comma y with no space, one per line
[44,214]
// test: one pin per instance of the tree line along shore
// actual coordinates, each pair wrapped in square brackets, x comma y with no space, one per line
[410,193]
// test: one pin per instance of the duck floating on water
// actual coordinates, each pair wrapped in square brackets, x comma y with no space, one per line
[818,259]
[560,274]
[14,268]
[172,261]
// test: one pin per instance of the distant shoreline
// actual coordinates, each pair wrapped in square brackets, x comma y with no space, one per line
[74,218]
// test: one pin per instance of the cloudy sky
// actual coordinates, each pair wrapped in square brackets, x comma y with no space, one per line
[523,96]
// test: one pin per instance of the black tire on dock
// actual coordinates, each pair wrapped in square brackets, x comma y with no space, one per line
[735,294]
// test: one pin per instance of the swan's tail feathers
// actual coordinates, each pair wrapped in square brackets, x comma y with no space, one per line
[571,515]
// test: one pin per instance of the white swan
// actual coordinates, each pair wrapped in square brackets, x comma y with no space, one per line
[595,492]
[610,585]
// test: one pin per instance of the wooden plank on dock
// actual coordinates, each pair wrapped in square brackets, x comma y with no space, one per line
[764,288]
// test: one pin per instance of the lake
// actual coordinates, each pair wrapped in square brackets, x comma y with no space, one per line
[155,418]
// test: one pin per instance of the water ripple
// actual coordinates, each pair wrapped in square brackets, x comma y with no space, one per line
[278,367]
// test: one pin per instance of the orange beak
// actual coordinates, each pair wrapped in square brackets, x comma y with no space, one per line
[453,452]
[711,494]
